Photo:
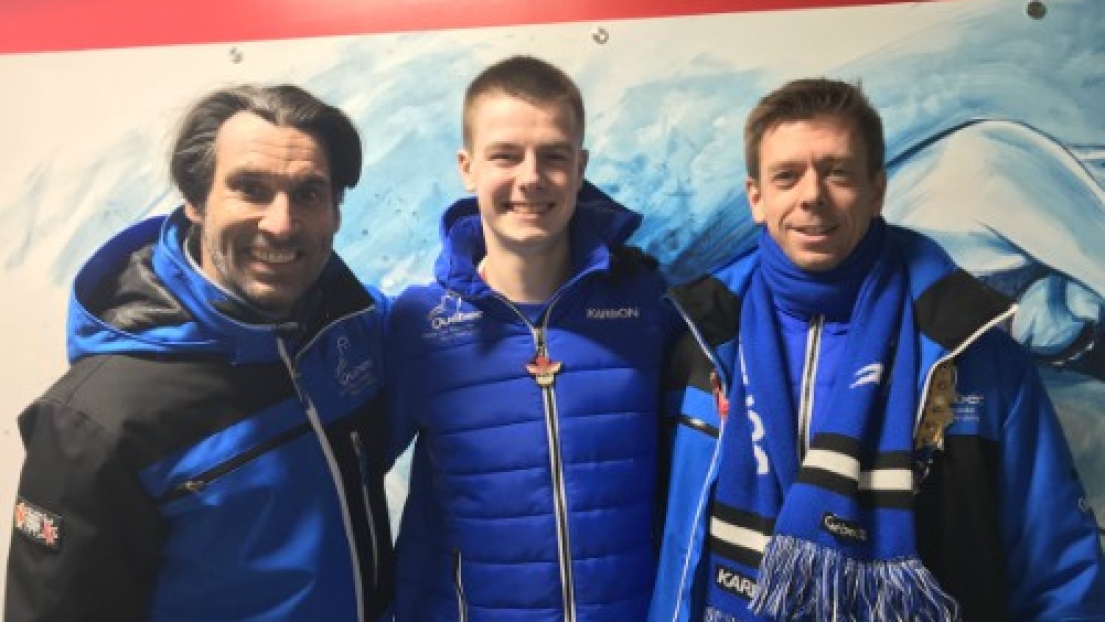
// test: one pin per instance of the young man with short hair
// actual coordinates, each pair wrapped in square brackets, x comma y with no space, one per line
[529,371]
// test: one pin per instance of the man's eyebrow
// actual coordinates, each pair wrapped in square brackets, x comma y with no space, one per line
[250,173]
[313,177]
[502,144]
[241,175]
[559,145]
[780,164]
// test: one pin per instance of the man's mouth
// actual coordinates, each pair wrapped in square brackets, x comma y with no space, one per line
[529,208]
[814,229]
[274,256]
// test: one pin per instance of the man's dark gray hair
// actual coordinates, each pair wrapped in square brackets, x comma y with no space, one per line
[192,162]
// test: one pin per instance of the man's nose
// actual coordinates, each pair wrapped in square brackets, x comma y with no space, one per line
[278,220]
[529,172]
[812,189]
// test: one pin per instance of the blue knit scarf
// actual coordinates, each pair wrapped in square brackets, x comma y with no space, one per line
[832,537]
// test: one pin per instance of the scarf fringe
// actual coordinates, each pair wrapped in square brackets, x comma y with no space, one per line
[800,579]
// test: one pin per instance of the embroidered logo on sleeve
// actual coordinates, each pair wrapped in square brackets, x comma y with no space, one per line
[37,524]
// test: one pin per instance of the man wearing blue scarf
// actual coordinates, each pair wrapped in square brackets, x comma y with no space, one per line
[857,438]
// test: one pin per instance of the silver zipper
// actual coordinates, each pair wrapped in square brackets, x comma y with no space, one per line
[458,582]
[362,465]
[552,429]
[687,572]
[335,475]
[809,378]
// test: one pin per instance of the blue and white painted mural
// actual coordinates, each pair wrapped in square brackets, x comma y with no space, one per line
[995,125]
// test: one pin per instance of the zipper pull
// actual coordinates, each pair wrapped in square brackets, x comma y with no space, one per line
[721,401]
[191,486]
[542,368]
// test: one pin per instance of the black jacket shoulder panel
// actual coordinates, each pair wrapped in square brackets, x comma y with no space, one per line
[631,260]
[956,307]
[713,308]
[154,405]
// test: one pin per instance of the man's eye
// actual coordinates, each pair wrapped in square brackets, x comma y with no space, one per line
[251,190]
[309,195]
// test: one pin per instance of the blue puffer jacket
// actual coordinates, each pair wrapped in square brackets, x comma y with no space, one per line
[531,501]
[1002,521]
[198,463]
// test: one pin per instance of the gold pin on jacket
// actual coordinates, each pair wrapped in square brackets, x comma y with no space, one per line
[938,412]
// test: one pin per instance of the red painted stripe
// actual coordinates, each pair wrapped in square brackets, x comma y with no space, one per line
[63,25]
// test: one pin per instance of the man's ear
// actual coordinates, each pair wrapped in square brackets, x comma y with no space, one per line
[755,199]
[464,165]
[193,213]
[584,157]
[880,192]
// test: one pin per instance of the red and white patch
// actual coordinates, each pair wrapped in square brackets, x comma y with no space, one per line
[37,524]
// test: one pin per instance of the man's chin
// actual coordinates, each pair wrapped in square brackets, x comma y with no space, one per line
[271,303]
[816,262]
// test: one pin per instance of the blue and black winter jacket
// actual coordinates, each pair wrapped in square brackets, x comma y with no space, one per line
[199,463]
[1001,517]
[533,482]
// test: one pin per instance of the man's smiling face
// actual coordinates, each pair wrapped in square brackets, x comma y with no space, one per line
[525,164]
[267,227]
[815,193]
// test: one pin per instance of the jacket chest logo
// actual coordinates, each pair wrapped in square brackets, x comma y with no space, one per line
[353,376]
[614,313]
[449,318]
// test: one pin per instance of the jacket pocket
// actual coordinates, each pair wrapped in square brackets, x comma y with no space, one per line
[699,425]
[196,484]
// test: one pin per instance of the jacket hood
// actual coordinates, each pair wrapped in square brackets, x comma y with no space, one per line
[599,224]
[139,294]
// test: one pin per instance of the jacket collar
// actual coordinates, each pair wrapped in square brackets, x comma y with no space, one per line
[598,224]
[952,307]
[139,293]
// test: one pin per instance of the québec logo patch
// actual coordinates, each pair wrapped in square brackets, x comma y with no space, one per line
[353,377]
[37,524]
[449,318]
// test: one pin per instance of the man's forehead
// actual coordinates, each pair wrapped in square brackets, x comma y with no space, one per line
[490,106]
[549,144]
[248,142]
[834,137]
